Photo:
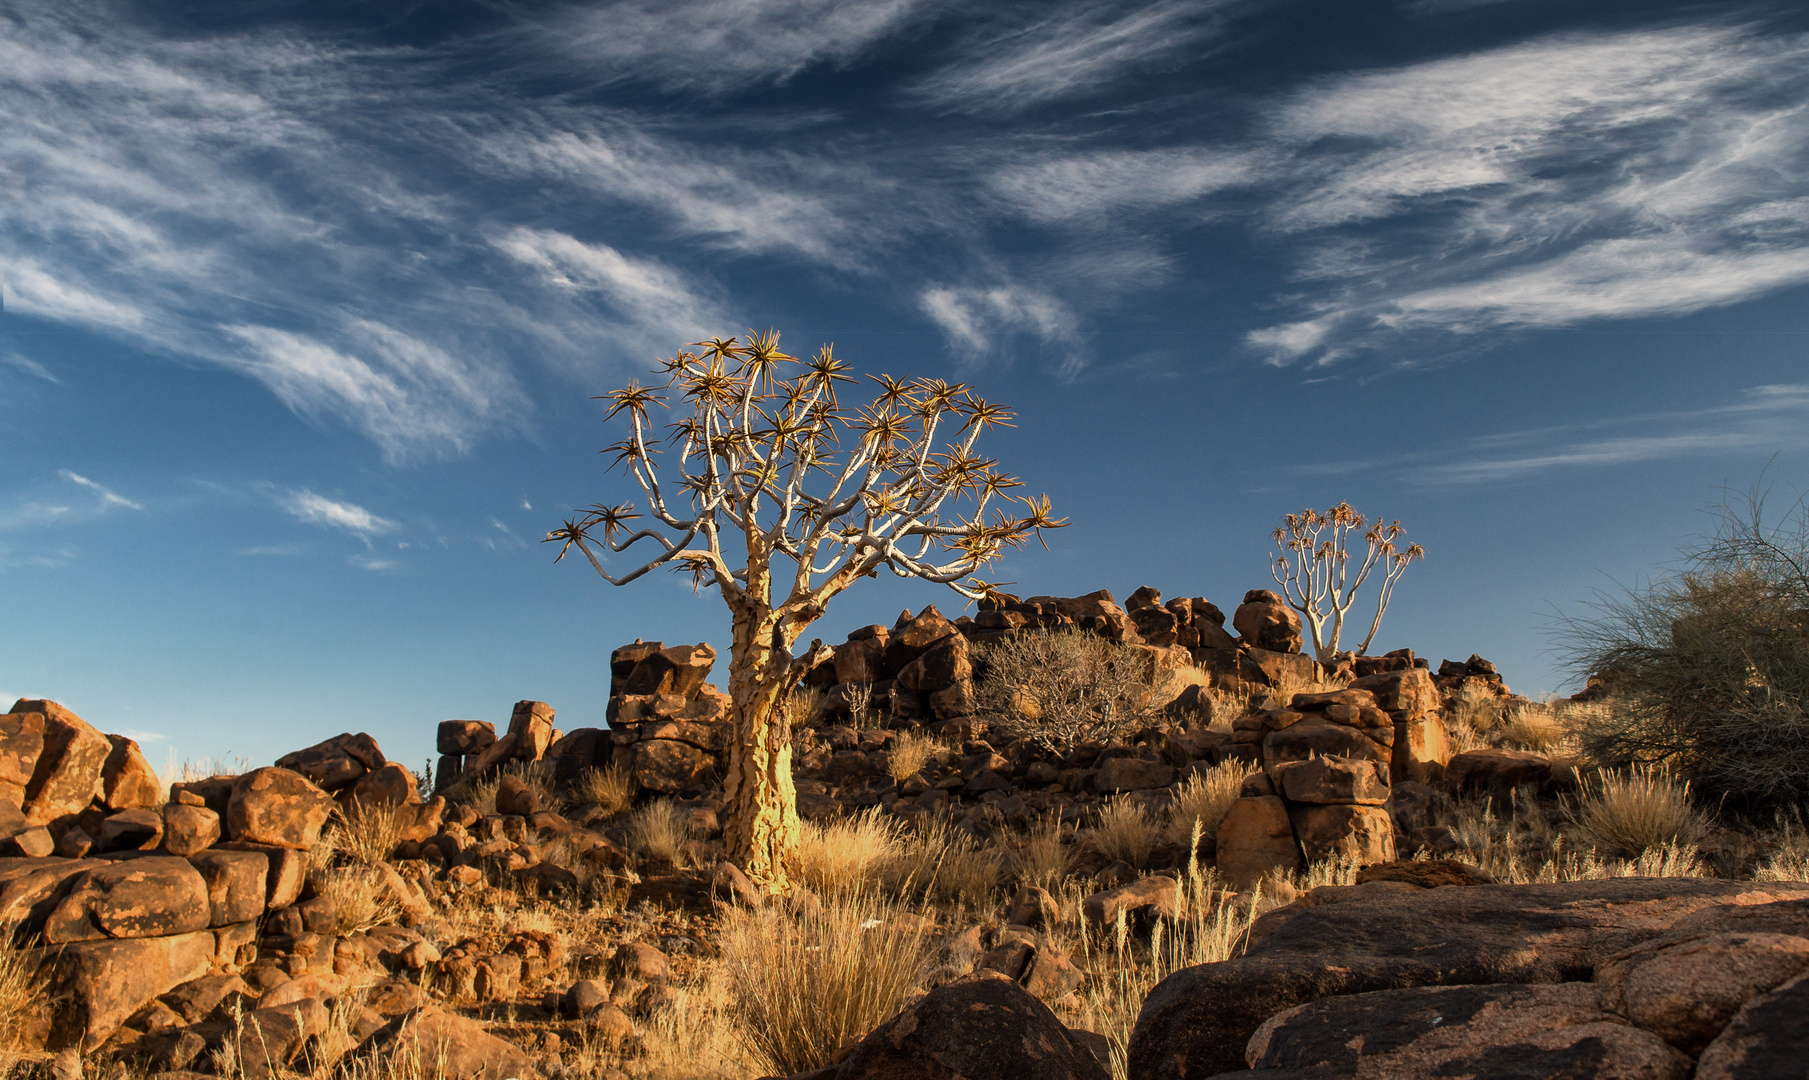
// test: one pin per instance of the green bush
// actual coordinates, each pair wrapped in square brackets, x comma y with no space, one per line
[1710,665]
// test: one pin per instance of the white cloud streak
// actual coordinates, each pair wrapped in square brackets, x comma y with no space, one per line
[975,319]
[1764,419]
[714,46]
[108,496]
[1569,179]
[305,505]
[1066,51]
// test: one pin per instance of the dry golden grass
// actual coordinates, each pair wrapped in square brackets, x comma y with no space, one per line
[365,835]
[694,1036]
[360,898]
[800,990]
[911,752]
[1204,798]
[611,788]
[1789,858]
[939,863]
[1210,925]
[1627,813]
[23,992]
[847,854]
[1125,831]
[1044,857]
[660,830]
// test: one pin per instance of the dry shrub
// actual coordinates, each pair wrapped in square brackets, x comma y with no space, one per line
[800,990]
[1712,663]
[1125,831]
[1065,688]
[366,835]
[361,898]
[611,788]
[846,854]
[660,830]
[911,752]
[1629,812]
[1204,798]
[1318,684]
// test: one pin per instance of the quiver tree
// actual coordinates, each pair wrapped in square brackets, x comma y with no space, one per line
[1319,577]
[778,495]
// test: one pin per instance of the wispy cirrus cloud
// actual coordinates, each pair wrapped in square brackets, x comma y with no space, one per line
[1760,419]
[1045,52]
[108,497]
[715,46]
[72,499]
[975,318]
[1568,179]
[304,505]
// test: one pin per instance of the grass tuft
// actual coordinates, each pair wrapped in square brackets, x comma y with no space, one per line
[1125,831]
[801,990]
[1629,812]
[661,831]
[611,788]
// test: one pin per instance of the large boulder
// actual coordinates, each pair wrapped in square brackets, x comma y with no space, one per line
[465,736]
[1255,837]
[1362,834]
[188,829]
[67,774]
[127,780]
[21,743]
[679,670]
[337,762]
[1491,1032]
[1764,1040]
[1333,780]
[1197,1022]
[156,896]
[277,807]
[237,885]
[981,1027]
[98,984]
[668,766]
[1265,621]
[913,637]
[942,665]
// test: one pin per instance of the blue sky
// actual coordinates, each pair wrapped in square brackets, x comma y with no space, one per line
[305,303]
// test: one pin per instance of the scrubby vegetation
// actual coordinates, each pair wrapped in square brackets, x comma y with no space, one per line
[1709,665]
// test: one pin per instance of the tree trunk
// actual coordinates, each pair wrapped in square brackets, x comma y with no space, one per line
[763,827]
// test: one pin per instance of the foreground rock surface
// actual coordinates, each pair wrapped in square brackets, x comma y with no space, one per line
[1199,1021]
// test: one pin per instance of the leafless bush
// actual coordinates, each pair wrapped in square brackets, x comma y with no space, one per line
[1713,663]
[1067,688]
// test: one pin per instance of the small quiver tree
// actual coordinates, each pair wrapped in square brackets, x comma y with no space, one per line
[779,496]
[1314,566]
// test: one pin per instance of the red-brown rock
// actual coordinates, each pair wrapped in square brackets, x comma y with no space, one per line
[156,896]
[981,1027]
[277,807]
